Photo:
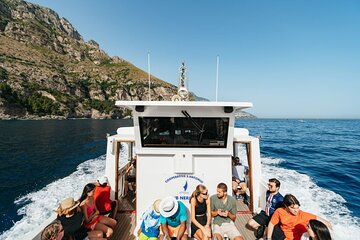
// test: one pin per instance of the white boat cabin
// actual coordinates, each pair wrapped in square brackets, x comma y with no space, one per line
[179,145]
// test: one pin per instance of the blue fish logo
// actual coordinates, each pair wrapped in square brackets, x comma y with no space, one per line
[185,186]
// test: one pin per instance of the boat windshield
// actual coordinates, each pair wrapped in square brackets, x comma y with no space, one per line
[184,132]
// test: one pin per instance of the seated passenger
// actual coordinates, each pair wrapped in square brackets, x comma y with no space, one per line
[239,185]
[71,218]
[238,170]
[240,190]
[316,230]
[200,213]
[173,219]
[150,223]
[53,231]
[292,220]
[130,178]
[102,198]
[92,219]
[274,200]
[223,210]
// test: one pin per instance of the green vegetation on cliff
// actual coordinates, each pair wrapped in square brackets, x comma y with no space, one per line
[47,69]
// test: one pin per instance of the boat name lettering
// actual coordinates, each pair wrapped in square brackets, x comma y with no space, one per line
[182,197]
[183,176]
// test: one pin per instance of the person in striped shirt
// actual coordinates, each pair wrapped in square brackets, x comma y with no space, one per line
[274,200]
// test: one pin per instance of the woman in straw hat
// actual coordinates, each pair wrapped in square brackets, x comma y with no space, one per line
[71,218]
[200,213]
[94,221]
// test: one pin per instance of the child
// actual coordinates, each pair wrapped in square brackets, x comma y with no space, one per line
[150,222]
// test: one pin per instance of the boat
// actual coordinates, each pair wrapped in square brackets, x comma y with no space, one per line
[178,145]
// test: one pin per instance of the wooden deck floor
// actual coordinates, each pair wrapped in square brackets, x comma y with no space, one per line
[242,217]
[126,221]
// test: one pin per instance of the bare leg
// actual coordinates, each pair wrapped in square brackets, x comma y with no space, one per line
[238,238]
[252,225]
[105,229]
[234,186]
[95,235]
[184,237]
[115,210]
[108,222]
[126,187]
[218,236]
[199,234]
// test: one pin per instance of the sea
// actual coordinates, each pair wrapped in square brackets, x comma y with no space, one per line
[42,162]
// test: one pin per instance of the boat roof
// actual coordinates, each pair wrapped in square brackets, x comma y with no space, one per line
[132,104]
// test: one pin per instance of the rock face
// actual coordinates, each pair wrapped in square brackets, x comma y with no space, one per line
[47,70]
[242,114]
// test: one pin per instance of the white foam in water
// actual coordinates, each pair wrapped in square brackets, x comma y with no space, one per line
[43,202]
[314,199]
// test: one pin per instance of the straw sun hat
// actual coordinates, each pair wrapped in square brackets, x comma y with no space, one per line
[69,204]
[156,206]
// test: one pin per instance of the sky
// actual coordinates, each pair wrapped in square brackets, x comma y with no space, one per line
[291,59]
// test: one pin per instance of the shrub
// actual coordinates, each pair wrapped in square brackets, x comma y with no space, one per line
[7,93]
[3,74]
[40,105]
[103,106]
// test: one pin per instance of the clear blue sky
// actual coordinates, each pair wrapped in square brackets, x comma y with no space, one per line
[292,59]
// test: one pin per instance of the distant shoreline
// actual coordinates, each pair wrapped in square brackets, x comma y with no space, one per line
[126,118]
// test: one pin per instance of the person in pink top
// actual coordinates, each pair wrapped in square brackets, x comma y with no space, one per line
[92,219]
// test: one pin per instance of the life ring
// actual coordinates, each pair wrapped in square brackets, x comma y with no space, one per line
[132,91]
[183,93]
[175,98]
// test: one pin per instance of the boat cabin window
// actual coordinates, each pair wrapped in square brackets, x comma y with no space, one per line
[184,132]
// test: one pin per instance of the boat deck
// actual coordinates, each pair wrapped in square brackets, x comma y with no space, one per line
[126,220]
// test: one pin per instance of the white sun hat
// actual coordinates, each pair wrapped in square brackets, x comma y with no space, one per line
[168,207]
[102,180]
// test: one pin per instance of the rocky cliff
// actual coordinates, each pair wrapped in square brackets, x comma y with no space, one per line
[47,70]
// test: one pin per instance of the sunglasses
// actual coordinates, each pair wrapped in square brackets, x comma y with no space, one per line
[204,193]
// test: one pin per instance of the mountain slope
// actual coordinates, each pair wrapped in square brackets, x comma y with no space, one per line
[48,70]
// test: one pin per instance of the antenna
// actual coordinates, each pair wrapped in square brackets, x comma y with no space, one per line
[183,93]
[217,78]
[149,75]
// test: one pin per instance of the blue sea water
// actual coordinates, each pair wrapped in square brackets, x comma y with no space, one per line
[41,162]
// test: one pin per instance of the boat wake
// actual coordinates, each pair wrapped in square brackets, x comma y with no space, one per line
[314,199]
[39,206]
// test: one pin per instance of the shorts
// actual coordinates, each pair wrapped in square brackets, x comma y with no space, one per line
[144,237]
[278,233]
[91,225]
[262,219]
[227,228]
[173,231]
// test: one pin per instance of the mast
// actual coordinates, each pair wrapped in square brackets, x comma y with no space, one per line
[183,93]
[217,78]
[149,76]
